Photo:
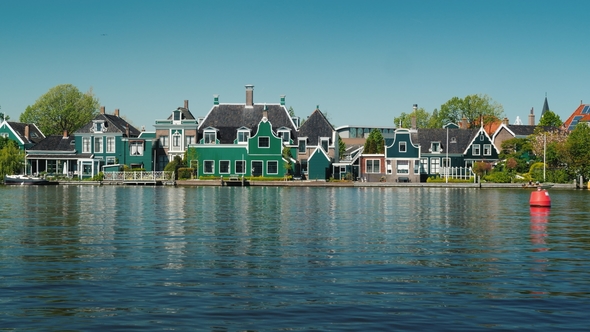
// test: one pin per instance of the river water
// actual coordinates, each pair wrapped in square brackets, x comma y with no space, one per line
[88,258]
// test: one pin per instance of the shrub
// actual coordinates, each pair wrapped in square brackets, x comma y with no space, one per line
[185,173]
[498,177]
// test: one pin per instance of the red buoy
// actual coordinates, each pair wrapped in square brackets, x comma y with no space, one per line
[541,198]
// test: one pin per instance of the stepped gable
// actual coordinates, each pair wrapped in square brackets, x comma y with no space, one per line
[316,126]
[459,139]
[35,135]
[227,118]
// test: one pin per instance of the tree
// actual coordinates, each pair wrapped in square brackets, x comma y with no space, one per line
[405,120]
[11,157]
[63,107]
[4,116]
[341,147]
[550,119]
[375,142]
[473,108]
[577,151]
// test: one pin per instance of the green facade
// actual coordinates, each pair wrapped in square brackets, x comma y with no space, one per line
[261,156]
[319,166]
[135,152]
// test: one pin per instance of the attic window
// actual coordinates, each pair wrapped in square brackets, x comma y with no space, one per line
[481,136]
[176,115]
[285,135]
[325,143]
[453,140]
[435,147]
[98,126]
[34,135]
[210,136]
[243,135]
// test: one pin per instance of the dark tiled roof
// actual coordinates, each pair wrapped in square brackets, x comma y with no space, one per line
[461,137]
[35,135]
[522,130]
[55,143]
[186,114]
[114,124]
[316,126]
[227,118]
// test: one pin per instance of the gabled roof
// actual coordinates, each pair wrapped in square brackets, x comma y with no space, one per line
[581,114]
[459,139]
[228,118]
[185,114]
[55,143]
[481,130]
[35,135]
[316,126]
[113,124]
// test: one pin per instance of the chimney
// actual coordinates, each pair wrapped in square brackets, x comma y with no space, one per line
[116,112]
[265,112]
[27,132]
[464,123]
[186,104]
[65,134]
[505,121]
[102,110]
[215,99]
[532,117]
[249,95]
[127,130]
[413,118]
[283,100]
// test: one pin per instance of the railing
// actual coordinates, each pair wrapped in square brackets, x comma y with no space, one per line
[457,172]
[139,176]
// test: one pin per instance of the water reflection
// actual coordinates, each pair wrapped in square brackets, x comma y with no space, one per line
[539,220]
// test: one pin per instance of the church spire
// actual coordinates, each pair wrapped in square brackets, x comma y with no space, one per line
[545,106]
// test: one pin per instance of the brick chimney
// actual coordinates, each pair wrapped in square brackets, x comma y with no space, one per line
[102,110]
[265,112]
[65,134]
[505,121]
[186,104]
[532,117]
[249,95]
[127,130]
[116,112]
[27,135]
[464,123]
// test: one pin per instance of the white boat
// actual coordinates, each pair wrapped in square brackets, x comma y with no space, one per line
[25,180]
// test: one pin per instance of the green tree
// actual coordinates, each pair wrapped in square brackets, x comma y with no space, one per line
[63,107]
[550,119]
[4,117]
[341,147]
[472,107]
[11,158]
[405,119]
[375,142]
[577,151]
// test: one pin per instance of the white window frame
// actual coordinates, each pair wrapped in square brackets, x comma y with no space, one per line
[416,166]
[86,145]
[268,169]
[243,167]
[268,141]
[434,165]
[98,145]
[210,162]
[111,160]
[164,141]
[435,147]
[189,139]
[402,167]
[176,141]
[243,136]
[487,149]
[228,167]
[403,148]
[285,135]
[136,146]
[111,146]
[373,163]
[210,137]
[476,150]
[424,165]
[325,143]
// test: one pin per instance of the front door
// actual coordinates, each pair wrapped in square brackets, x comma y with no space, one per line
[257,168]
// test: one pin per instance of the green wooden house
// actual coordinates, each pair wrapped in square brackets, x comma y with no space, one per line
[24,134]
[108,140]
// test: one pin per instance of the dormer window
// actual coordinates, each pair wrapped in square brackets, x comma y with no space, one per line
[98,126]
[210,136]
[177,115]
[435,147]
[453,139]
[284,134]
[243,135]
[402,147]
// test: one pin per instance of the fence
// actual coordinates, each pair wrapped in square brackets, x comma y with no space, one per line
[457,172]
[139,176]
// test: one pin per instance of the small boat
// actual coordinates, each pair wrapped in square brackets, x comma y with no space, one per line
[538,185]
[26,180]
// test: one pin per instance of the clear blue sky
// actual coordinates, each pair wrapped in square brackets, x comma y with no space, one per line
[362,62]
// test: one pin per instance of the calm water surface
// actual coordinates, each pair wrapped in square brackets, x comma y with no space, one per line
[233,259]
